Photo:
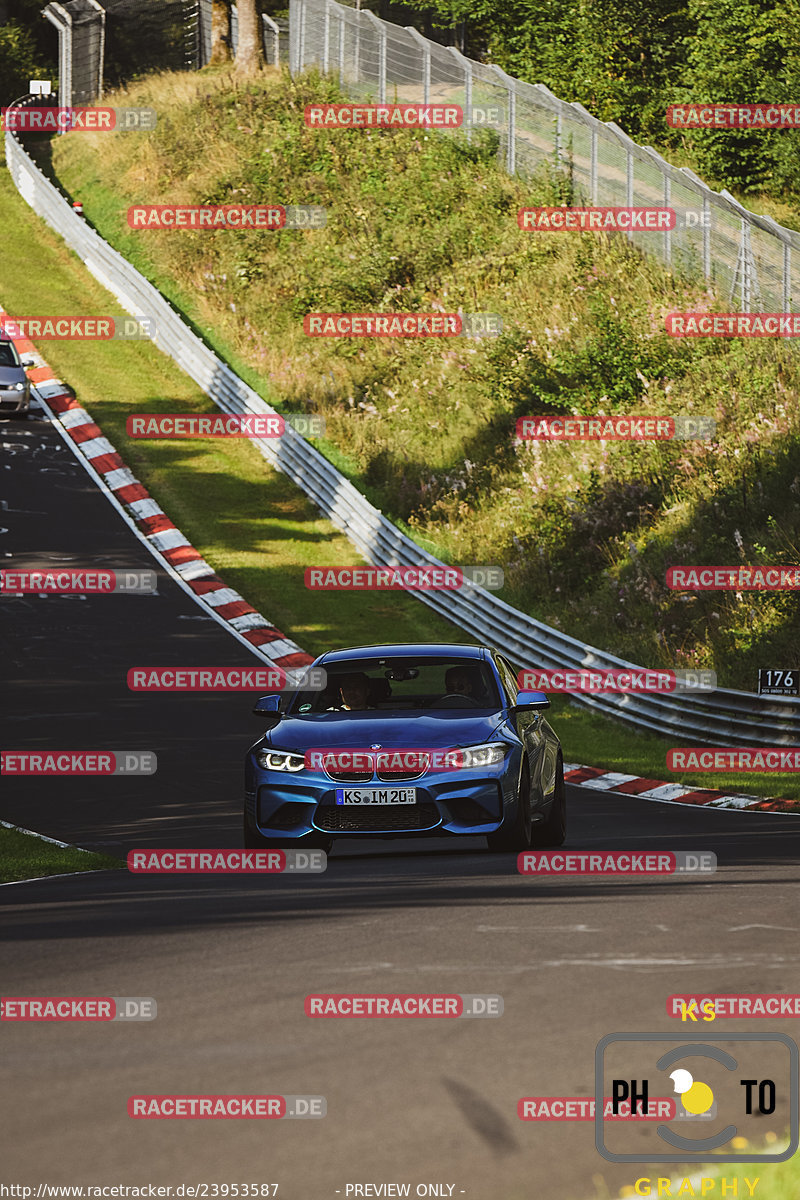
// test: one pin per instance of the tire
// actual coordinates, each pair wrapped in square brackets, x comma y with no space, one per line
[253,840]
[553,831]
[518,837]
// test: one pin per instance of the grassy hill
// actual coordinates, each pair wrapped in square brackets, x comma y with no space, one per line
[425,428]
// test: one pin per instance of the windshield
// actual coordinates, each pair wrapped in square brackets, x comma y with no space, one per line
[394,684]
[8,355]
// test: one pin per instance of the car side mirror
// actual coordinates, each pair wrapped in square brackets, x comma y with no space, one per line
[531,701]
[268,706]
[28,362]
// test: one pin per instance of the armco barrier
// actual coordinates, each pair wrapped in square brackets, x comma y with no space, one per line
[720,718]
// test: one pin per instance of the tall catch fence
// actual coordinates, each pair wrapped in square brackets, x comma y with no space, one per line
[751,261]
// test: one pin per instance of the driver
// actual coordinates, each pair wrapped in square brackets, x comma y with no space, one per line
[354,691]
[459,681]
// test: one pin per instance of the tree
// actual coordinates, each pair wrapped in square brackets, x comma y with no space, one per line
[18,62]
[249,50]
[220,31]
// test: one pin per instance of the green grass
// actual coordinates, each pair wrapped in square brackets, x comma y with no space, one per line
[598,741]
[26,856]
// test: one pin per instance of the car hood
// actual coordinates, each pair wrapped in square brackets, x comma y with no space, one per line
[12,375]
[360,730]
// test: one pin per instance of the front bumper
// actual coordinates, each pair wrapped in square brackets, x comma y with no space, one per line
[12,402]
[280,805]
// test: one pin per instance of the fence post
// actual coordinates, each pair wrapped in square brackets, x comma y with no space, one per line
[102,50]
[380,27]
[301,47]
[591,121]
[707,195]
[269,24]
[786,266]
[661,165]
[511,147]
[326,38]
[425,45]
[341,48]
[746,291]
[295,20]
[630,168]
[62,20]
[466,65]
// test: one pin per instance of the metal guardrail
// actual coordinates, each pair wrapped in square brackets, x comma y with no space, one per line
[720,718]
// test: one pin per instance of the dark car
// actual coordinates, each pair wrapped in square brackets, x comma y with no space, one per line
[15,388]
[406,741]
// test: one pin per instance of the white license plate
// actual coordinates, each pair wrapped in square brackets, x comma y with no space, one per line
[376,795]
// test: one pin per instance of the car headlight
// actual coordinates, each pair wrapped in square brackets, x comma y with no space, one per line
[280,760]
[488,755]
[18,387]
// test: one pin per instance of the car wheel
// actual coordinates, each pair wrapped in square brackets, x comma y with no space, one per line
[253,840]
[553,831]
[518,836]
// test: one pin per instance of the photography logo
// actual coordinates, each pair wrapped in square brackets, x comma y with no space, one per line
[724,1088]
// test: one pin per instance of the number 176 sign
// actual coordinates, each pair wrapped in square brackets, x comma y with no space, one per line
[778,683]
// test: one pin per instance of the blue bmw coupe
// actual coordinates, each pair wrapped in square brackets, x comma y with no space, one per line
[406,741]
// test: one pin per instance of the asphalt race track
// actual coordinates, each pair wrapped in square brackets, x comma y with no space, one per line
[230,959]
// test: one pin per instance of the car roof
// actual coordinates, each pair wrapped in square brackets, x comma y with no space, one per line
[406,650]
